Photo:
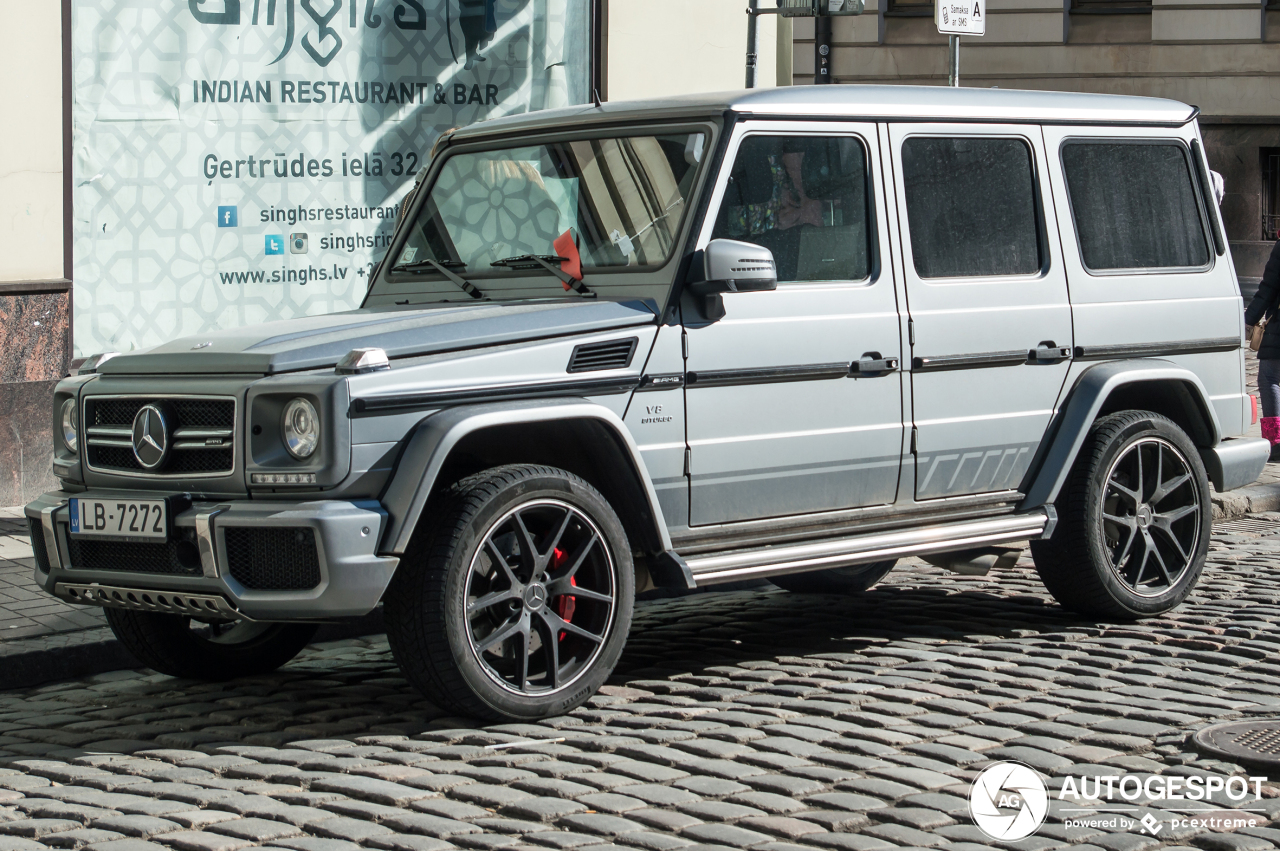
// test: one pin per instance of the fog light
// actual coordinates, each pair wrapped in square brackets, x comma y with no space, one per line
[283,478]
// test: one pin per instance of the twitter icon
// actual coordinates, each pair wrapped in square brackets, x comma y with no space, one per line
[275,244]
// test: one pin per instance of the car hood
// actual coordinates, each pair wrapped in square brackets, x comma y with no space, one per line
[316,342]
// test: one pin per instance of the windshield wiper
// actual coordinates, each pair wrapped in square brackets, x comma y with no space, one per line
[545,261]
[442,266]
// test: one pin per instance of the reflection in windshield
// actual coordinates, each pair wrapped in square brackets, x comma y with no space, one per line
[620,200]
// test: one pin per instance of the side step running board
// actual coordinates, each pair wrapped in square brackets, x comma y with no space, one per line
[863,549]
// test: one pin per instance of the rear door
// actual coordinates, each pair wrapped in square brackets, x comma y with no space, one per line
[990,320]
[1148,276]
[779,420]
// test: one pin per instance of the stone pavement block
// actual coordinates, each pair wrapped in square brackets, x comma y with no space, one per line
[542,809]
[405,842]
[725,834]
[660,819]
[255,829]
[599,824]
[199,819]
[370,789]
[657,841]
[313,843]
[350,829]
[787,828]
[38,827]
[126,844]
[441,828]
[445,808]
[198,840]
[80,838]
[14,843]
[142,827]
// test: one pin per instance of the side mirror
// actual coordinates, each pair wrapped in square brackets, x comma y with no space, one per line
[730,266]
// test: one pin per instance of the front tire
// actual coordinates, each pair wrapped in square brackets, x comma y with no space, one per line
[1134,521]
[179,646]
[837,580]
[516,603]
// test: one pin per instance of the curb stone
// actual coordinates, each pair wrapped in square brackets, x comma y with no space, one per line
[1253,499]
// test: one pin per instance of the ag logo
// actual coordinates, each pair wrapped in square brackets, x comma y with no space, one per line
[1008,801]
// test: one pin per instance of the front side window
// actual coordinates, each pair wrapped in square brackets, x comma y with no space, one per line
[1134,205]
[620,200]
[971,207]
[805,199]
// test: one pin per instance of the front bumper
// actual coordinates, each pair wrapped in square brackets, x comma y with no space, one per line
[351,575]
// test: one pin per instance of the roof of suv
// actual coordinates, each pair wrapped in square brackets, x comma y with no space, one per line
[939,103]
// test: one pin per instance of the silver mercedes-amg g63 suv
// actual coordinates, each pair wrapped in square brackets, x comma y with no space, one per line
[797,334]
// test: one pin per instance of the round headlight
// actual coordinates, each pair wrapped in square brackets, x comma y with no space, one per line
[68,421]
[301,428]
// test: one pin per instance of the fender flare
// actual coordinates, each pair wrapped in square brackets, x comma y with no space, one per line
[1086,399]
[435,437]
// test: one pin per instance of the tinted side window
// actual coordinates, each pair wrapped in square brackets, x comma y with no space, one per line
[971,207]
[1134,206]
[805,199]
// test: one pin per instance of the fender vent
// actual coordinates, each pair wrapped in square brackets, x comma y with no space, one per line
[613,354]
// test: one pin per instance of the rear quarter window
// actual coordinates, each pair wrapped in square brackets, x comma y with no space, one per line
[1134,205]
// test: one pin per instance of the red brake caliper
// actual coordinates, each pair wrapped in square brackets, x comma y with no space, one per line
[565,604]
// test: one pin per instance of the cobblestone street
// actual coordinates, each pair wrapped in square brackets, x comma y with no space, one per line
[752,719]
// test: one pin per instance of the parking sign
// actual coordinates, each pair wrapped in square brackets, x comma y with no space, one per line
[961,17]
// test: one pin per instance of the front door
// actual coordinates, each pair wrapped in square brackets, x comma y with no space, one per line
[780,420]
[990,320]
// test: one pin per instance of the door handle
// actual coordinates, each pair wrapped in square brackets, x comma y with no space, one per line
[1049,352]
[869,365]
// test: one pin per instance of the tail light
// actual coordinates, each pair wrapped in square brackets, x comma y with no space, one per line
[1253,405]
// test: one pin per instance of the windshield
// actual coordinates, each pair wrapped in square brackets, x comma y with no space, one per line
[592,208]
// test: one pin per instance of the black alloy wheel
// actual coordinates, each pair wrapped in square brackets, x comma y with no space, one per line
[514,599]
[1151,516]
[541,595]
[1133,520]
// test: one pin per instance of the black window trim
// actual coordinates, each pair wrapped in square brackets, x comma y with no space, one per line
[1173,141]
[1042,225]
[873,226]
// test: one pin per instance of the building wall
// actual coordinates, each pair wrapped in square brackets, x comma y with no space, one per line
[34,295]
[657,48]
[1220,56]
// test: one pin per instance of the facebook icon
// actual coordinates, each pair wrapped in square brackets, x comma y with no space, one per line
[275,244]
[227,217]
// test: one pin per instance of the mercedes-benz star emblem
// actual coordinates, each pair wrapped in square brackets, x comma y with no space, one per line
[150,437]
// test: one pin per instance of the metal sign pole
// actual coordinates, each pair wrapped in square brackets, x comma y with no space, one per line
[752,14]
[953,61]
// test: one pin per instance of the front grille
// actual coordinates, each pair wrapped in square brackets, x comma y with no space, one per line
[203,435]
[179,556]
[273,559]
[37,544]
[191,462]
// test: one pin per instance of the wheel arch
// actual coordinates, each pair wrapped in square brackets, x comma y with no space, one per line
[1150,385]
[581,437]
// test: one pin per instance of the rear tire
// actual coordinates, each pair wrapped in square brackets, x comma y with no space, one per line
[1134,521]
[837,580]
[516,603]
[180,647]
